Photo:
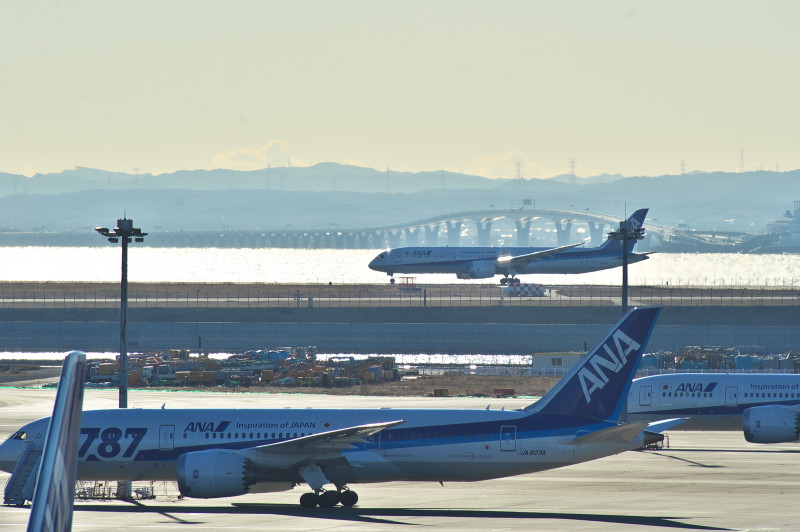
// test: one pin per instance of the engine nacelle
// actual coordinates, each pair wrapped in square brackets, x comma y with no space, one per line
[210,474]
[478,269]
[771,424]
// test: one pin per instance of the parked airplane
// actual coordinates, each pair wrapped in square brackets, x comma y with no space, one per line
[486,262]
[54,494]
[225,452]
[765,406]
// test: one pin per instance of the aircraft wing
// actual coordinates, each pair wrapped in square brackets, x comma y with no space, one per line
[522,260]
[626,432]
[325,446]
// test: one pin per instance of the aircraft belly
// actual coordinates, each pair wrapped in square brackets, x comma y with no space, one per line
[468,462]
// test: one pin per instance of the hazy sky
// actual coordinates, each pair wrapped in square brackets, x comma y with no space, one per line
[631,87]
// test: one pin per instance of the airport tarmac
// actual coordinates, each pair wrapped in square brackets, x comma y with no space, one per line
[702,481]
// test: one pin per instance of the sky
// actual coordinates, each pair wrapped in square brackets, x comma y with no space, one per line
[498,89]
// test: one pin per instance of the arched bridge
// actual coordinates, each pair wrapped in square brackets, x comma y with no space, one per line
[509,227]
[506,227]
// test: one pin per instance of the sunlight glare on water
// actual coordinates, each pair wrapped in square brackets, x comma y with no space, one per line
[215,265]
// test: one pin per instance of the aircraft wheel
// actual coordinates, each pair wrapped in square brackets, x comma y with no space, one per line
[328,499]
[348,498]
[391,280]
[309,500]
[504,281]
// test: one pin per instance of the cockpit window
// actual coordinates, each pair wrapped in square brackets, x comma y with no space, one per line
[382,256]
[19,435]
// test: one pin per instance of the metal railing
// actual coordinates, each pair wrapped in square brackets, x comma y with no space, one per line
[204,296]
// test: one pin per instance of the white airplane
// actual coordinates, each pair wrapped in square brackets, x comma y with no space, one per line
[765,406]
[486,262]
[225,452]
[56,466]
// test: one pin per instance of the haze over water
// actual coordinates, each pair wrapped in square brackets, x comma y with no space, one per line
[215,265]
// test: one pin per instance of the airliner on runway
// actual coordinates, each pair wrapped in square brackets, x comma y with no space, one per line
[765,406]
[225,452]
[486,262]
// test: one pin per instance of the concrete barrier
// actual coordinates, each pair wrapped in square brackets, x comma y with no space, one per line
[486,338]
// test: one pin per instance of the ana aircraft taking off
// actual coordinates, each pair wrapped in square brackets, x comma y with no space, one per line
[226,452]
[486,262]
[766,407]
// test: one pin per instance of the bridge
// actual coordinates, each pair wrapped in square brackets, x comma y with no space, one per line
[510,227]
[492,227]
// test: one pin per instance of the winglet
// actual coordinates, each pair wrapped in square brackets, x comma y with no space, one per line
[597,387]
[55,484]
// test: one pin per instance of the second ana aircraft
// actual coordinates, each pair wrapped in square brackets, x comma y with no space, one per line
[486,262]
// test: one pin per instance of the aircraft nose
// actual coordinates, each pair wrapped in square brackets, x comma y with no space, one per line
[376,263]
[9,454]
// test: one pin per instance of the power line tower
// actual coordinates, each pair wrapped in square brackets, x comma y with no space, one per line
[741,160]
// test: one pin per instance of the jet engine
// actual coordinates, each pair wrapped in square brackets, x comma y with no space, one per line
[771,424]
[209,474]
[479,269]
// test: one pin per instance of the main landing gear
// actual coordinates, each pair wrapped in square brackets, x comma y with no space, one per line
[329,498]
[509,280]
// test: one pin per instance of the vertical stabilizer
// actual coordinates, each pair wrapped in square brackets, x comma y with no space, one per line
[637,221]
[55,484]
[597,387]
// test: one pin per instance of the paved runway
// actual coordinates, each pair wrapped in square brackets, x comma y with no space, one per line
[703,481]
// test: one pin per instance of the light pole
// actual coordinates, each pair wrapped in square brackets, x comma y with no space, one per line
[626,233]
[125,233]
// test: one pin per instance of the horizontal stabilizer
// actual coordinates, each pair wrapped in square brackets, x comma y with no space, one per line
[666,424]
[625,433]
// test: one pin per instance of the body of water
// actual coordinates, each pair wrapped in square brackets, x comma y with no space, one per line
[215,265]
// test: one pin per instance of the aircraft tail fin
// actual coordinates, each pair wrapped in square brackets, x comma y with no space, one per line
[55,484]
[596,388]
[637,220]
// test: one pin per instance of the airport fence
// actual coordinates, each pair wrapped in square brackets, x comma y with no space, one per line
[204,296]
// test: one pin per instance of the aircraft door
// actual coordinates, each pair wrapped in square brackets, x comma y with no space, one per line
[645,395]
[166,437]
[731,396]
[508,438]
[373,441]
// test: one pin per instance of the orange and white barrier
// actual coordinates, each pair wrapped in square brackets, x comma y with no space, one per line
[523,290]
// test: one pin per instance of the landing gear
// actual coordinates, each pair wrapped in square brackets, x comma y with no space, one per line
[509,280]
[348,498]
[309,500]
[391,281]
[329,499]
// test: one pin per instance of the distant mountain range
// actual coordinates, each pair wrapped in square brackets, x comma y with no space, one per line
[347,196]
